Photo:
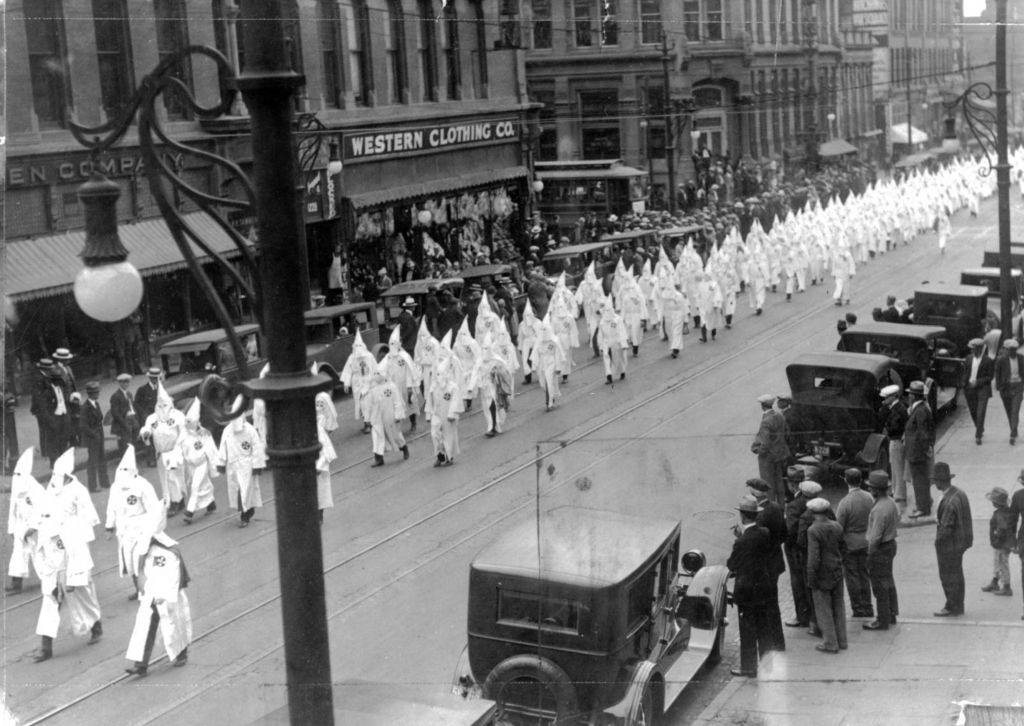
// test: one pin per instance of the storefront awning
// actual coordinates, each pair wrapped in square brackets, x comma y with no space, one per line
[614,172]
[45,266]
[836,147]
[914,159]
[436,187]
[899,134]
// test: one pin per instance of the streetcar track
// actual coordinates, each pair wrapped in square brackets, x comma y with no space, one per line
[785,325]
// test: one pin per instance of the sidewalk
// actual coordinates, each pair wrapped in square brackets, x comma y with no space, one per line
[919,671]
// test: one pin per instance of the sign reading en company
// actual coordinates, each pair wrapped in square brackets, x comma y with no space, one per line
[428,138]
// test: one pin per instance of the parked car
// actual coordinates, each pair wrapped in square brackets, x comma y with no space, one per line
[574,259]
[590,616]
[990,279]
[918,352]
[961,309]
[990,257]
[484,275]
[330,332]
[837,411]
[417,290]
[186,361]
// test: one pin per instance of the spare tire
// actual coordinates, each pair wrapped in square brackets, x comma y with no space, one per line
[534,683]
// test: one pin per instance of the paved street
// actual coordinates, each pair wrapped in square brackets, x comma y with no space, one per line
[671,440]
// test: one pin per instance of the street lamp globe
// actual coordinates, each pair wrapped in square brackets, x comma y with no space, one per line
[109,287]
[424,217]
[538,186]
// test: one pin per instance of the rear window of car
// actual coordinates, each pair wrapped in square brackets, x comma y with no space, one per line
[532,611]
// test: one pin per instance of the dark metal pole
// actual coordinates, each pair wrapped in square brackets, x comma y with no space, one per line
[810,38]
[670,139]
[267,83]
[907,69]
[1003,173]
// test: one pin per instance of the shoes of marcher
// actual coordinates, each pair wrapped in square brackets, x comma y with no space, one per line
[991,587]
[874,625]
[137,670]
[1013,440]
[405,452]
[181,659]
[96,633]
[492,433]
[1004,590]
[378,460]
[822,648]
[608,379]
[977,440]
[42,654]
[742,673]
[243,524]
[757,312]
[622,376]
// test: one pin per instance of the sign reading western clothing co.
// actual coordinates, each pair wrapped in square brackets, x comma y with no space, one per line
[360,146]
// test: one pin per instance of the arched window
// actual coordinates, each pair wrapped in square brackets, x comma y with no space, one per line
[171,38]
[398,69]
[329,27]
[359,51]
[47,61]
[451,51]
[428,50]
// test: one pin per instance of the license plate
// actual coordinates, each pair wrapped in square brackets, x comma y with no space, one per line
[822,451]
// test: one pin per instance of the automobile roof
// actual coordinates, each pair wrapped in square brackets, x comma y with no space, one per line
[866,362]
[318,315]
[676,231]
[947,288]
[894,330]
[418,287]
[204,339]
[627,235]
[577,249]
[484,270]
[990,271]
[578,546]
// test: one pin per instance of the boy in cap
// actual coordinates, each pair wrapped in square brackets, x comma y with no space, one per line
[1003,539]
[1009,376]
[748,562]
[883,521]
[806,490]
[825,576]
[91,436]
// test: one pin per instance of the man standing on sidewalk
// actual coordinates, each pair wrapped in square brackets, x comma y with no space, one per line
[1009,372]
[92,438]
[881,537]
[953,536]
[1017,508]
[749,564]
[852,514]
[773,518]
[124,422]
[978,385]
[895,412]
[825,576]
[771,449]
[794,557]
[918,440]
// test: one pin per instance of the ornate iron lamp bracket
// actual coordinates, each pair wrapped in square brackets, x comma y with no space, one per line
[980,119]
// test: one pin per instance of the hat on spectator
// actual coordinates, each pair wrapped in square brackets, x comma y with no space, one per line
[998,496]
[795,474]
[1011,344]
[45,364]
[810,488]
[890,390]
[784,397]
[878,479]
[818,505]
[916,388]
[62,354]
[409,302]
[766,399]
[153,372]
[940,472]
[975,342]
[124,377]
[758,484]
[748,504]
[92,387]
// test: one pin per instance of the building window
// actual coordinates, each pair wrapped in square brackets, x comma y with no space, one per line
[359,52]
[171,38]
[582,16]
[398,68]
[584,13]
[650,21]
[479,54]
[114,54]
[703,19]
[428,50]
[329,28]
[47,61]
[221,29]
[547,145]
[451,51]
[541,24]
[600,113]
[655,106]
[609,22]
[293,42]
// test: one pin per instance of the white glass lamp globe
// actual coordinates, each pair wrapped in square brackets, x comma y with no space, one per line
[424,216]
[108,292]
[538,186]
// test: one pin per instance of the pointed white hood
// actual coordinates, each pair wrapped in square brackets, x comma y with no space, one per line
[192,414]
[63,466]
[25,462]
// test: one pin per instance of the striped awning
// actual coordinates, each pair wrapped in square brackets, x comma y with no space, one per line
[436,187]
[45,266]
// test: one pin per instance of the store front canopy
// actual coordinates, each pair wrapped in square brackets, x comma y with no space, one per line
[914,159]
[836,147]
[45,266]
[899,135]
[436,187]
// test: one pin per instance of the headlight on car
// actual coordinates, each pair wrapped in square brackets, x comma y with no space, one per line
[692,561]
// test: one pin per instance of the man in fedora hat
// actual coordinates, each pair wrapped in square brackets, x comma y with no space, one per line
[918,443]
[794,562]
[91,436]
[124,421]
[978,374]
[145,405]
[749,563]
[407,325]
[52,408]
[954,535]
[1009,377]
[62,358]
[883,520]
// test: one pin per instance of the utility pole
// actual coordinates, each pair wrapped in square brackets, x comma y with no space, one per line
[907,70]
[1003,173]
[670,142]
[645,127]
[810,38]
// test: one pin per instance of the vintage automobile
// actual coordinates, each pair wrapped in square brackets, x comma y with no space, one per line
[331,330]
[990,257]
[837,412]
[186,361]
[590,616]
[484,275]
[574,259]
[417,290]
[990,278]
[961,309]
[919,353]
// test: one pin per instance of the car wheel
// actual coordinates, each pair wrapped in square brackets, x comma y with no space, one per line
[533,687]
[715,655]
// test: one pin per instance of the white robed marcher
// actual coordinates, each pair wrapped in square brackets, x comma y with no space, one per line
[242,455]
[493,380]
[62,557]
[326,422]
[165,427]
[163,606]
[355,375]
[649,288]
[400,368]
[467,351]
[527,335]
[563,323]
[504,347]
[133,510]
[588,296]
[633,304]
[612,341]
[674,311]
[548,358]
[385,409]
[199,451]
[446,406]
[843,269]
[425,356]
[945,229]
[26,497]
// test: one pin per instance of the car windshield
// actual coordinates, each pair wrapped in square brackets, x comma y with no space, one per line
[832,387]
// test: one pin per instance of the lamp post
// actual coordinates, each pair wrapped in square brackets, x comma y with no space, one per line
[670,142]
[267,84]
[831,120]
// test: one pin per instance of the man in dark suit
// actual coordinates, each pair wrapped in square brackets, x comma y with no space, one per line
[794,557]
[771,449]
[52,408]
[785,403]
[772,518]
[890,314]
[124,420]
[145,404]
[894,422]
[954,535]
[918,442]
[91,436]
[407,325]
[748,562]
[1010,383]
[825,576]
[979,370]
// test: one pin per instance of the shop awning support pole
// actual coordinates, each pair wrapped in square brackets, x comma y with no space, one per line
[670,139]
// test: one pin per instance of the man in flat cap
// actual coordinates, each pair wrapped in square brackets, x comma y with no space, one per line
[805,492]
[954,535]
[91,436]
[918,446]
[749,564]
[852,514]
[883,521]
[978,374]
[825,576]
[771,449]
[1009,377]
[773,518]
[895,422]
